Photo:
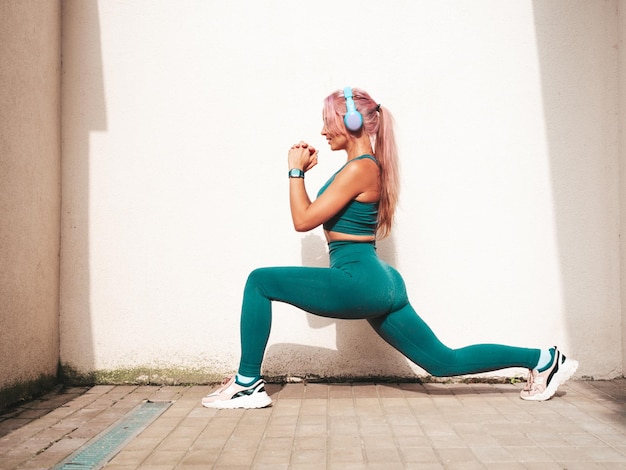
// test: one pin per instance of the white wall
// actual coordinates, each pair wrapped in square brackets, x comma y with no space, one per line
[177,117]
[578,55]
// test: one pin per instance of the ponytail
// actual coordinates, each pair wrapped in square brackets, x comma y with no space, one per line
[386,153]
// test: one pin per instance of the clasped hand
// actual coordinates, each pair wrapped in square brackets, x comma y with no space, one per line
[303,156]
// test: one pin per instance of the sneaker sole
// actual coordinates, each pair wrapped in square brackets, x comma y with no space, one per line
[258,400]
[566,370]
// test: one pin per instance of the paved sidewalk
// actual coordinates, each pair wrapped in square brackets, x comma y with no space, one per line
[333,426]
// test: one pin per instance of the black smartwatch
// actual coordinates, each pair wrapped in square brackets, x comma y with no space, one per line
[296,173]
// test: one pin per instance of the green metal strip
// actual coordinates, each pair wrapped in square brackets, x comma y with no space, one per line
[98,451]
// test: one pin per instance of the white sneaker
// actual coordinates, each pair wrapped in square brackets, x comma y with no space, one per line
[232,395]
[542,386]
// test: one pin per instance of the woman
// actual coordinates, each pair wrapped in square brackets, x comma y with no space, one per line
[356,207]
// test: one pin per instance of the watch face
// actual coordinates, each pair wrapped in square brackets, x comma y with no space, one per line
[295,173]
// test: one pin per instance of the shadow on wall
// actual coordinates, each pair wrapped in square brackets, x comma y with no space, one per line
[578,63]
[83,111]
[359,350]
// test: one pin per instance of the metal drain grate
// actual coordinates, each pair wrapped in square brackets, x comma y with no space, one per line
[98,451]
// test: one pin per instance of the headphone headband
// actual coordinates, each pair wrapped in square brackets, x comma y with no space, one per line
[353,119]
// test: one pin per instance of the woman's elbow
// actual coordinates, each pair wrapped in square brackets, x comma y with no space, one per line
[300,227]
[303,226]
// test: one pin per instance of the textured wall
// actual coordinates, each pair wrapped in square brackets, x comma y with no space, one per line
[30,171]
[578,55]
[177,119]
[622,143]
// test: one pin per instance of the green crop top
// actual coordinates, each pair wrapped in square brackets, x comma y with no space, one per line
[356,218]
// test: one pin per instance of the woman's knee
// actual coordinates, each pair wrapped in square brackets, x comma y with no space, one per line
[259,275]
[255,275]
[257,278]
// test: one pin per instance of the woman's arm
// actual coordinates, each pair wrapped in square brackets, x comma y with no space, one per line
[352,181]
[303,157]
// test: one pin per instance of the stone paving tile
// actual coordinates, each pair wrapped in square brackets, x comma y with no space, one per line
[333,426]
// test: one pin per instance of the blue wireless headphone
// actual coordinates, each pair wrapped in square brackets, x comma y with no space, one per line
[353,119]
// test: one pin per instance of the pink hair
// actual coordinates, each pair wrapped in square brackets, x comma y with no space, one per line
[378,125]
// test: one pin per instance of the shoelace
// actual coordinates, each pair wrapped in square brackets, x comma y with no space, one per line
[530,381]
[534,382]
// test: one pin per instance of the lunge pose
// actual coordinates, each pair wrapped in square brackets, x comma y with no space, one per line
[356,207]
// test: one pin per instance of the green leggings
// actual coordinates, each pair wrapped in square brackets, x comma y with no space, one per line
[359,285]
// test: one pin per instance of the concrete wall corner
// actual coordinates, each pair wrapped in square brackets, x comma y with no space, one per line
[30,196]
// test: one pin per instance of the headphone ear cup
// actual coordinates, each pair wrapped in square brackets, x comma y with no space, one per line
[353,119]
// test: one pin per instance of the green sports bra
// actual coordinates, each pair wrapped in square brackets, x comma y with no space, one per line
[356,218]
